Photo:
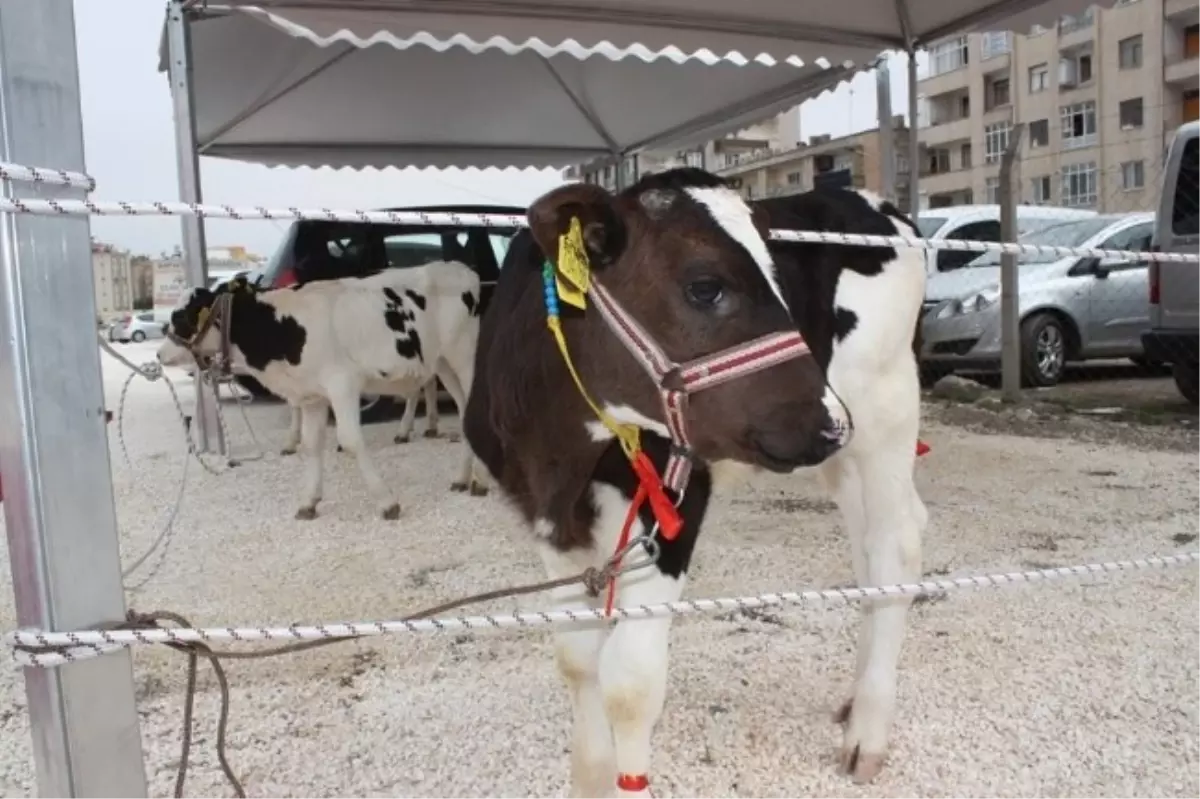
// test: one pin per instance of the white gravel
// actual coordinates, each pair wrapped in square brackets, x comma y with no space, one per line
[1059,690]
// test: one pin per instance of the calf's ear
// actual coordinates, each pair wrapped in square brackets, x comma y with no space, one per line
[603,230]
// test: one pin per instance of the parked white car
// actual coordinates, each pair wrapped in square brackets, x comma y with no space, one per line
[981,223]
[139,326]
[1071,309]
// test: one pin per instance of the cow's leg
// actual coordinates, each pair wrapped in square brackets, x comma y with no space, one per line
[431,408]
[577,654]
[349,433]
[408,420]
[469,476]
[293,439]
[313,418]
[888,543]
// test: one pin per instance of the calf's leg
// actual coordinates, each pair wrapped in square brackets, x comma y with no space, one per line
[885,528]
[577,654]
[470,476]
[293,440]
[407,421]
[349,433]
[431,408]
[312,420]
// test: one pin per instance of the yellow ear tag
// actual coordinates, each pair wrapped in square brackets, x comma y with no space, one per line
[573,276]
[201,318]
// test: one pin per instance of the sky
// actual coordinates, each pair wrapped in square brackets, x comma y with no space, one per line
[129,144]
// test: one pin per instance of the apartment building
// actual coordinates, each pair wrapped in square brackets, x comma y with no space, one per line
[1099,94]
[112,279]
[847,161]
[776,134]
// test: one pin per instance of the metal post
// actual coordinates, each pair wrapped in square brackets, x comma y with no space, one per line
[209,436]
[1010,311]
[914,139]
[58,502]
[887,133]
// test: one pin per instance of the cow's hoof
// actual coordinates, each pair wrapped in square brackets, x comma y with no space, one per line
[458,486]
[391,512]
[432,434]
[287,451]
[400,438]
[307,514]
[478,489]
[862,767]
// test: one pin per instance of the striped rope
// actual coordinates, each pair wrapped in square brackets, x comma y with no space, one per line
[46,649]
[509,221]
[18,173]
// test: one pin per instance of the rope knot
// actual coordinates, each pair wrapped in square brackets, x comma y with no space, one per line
[151,370]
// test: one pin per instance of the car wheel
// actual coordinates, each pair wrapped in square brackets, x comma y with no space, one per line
[138,337]
[1043,350]
[1187,380]
[931,373]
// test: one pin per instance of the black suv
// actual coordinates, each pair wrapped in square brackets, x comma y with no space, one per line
[321,250]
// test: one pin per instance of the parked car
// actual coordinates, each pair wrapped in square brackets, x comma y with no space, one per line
[1174,288]
[1071,309]
[322,250]
[981,223]
[139,326]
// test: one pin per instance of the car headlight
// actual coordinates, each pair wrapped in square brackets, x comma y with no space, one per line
[974,303]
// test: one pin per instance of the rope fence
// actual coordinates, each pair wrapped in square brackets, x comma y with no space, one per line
[49,649]
[17,173]
[508,221]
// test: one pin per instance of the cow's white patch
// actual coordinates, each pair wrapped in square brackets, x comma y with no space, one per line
[733,215]
[873,199]
[623,413]
[543,528]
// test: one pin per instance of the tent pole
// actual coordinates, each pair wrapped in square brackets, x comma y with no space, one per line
[887,135]
[58,498]
[206,423]
[914,138]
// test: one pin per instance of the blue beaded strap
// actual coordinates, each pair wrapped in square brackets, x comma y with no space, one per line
[550,290]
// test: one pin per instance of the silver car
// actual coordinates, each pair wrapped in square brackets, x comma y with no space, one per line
[1071,309]
[139,326]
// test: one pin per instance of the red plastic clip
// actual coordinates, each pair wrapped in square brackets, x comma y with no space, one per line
[922,448]
[665,512]
[633,783]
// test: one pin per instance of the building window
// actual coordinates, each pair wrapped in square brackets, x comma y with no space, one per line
[1133,175]
[1041,190]
[1039,133]
[998,93]
[995,43]
[793,178]
[1129,52]
[937,161]
[991,190]
[1074,70]
[965,155]
[1079,124]
[1078,185]
[1039,78]
[948,56]
[1131,113]
[995,141]
[1068,22]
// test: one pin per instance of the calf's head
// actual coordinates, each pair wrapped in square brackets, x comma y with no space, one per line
[687,259]
[192,331]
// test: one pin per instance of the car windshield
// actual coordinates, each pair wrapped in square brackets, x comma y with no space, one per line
[1055,234]
[928,225]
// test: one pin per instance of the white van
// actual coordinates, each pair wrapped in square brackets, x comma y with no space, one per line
[1174,334]
[981,223]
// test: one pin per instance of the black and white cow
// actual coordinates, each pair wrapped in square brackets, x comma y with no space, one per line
[323,344]
[690,261]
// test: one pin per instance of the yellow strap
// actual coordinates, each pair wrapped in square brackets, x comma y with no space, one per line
[627,434]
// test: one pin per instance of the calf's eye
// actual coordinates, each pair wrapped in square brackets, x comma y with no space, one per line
[704,294]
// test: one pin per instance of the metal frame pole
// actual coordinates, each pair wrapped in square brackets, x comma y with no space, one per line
[1010,311]
[887,132]
[58,502]
[210,437]
[914,139]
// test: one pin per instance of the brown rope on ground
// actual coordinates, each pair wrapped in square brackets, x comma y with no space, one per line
[593,580]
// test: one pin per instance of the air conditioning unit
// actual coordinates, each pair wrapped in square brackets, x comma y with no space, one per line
[1068,72]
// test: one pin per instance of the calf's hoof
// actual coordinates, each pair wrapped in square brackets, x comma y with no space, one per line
[458,486]
[862,767]
[401,438]
[478,489]
[432,434]
[391,512]
[307,513]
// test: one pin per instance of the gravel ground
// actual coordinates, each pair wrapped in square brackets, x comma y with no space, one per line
[1075,689]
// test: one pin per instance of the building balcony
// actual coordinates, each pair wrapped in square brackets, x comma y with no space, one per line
[1180,8]
[946,132]
[1183,72]
[952,81]
[1001,113]
[946,182]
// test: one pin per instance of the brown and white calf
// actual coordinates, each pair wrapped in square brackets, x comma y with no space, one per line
[323,344]
[690,262]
